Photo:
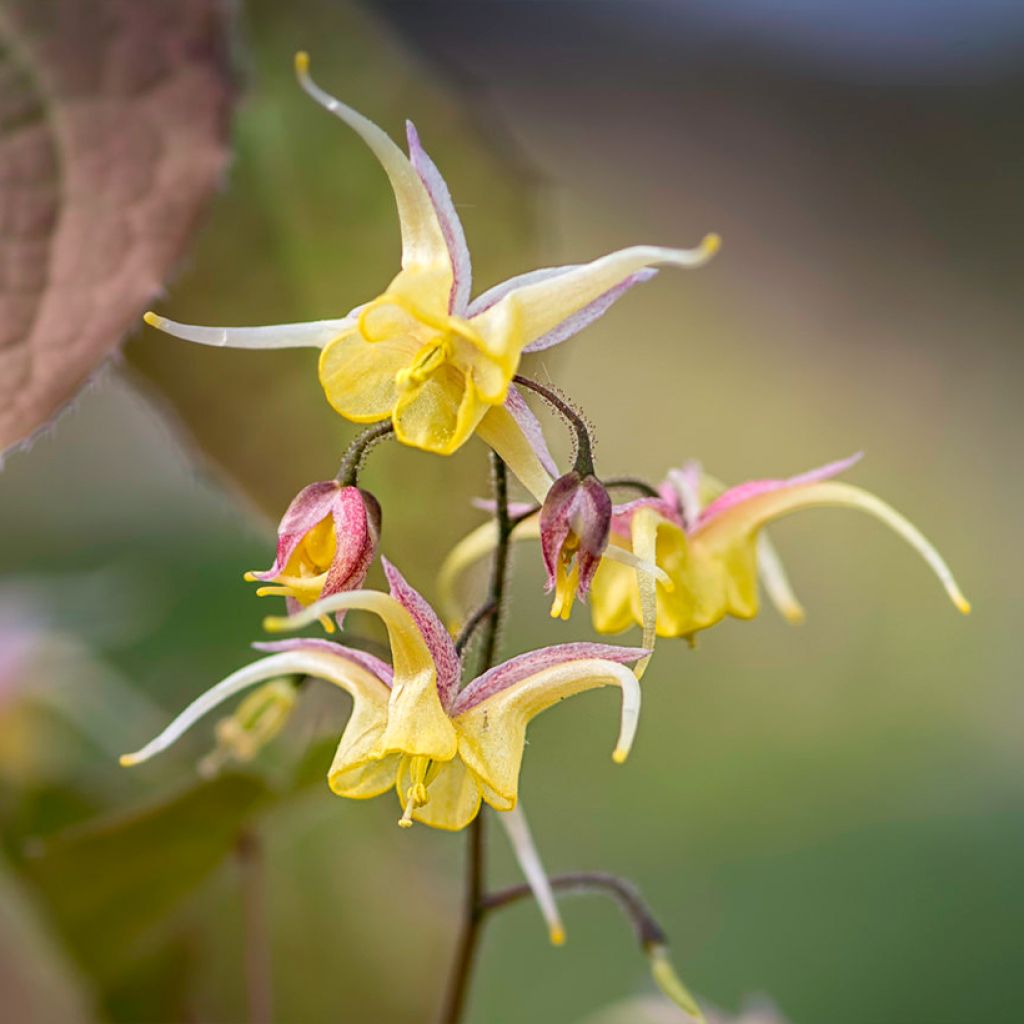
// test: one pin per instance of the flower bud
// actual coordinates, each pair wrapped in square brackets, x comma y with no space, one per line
[325,544]
[256,721]
[574,524]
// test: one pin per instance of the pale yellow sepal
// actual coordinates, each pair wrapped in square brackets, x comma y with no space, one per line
[671,985]
[417,723]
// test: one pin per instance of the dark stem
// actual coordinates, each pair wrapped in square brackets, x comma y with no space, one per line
[481,615]
[625,894]
[258,987]
[635,483]
[355,454]
[474,906]
[584,446]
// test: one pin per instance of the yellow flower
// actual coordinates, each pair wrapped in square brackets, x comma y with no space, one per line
[713,554]
[421,353]
[443,748]
[681,562]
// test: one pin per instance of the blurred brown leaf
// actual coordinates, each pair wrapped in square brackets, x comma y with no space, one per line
[113,122]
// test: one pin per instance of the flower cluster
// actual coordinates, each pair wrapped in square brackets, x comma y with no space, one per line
[432,366]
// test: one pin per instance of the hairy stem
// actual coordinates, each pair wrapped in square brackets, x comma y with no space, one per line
[474,904]
[584,445]
[355,454]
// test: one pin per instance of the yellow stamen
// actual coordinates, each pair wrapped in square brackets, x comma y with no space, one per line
[429,359]
[416,794]
[567,579]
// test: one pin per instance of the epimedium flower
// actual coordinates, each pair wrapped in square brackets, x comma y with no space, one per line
[708,547]
[326,541]
[421,353]
[712,554]
[443,747]
[575,521]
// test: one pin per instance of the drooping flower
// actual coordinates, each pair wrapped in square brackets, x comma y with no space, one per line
[708,547]
[442,747]
[712,553]
[421,353]
[326,542]
[575,520]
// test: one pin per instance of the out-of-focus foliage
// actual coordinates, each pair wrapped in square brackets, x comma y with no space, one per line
[113,124]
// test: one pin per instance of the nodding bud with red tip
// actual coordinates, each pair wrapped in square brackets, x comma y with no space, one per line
[574,523]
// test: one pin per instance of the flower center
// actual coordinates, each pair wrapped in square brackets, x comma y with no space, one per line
[430,358]
[420,777]
[567,577]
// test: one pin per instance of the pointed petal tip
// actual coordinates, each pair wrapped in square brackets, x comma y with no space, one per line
[711,243]
[671,985]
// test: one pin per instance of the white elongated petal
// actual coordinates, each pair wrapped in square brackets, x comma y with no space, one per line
[347,675]
[519,835]
[530,312]
[423,242]
[312,334]
[776,582]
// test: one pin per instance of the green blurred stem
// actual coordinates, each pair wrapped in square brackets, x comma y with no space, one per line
[355,455]
[474,903]
[258,986]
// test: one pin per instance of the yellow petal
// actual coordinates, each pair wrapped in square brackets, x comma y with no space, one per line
[728,535]
[417,723]
[492,734]
[644,530]
[440,414]
[423,243]
[358,376]
[611,596]
[499,430]
[453,797]
[532,310]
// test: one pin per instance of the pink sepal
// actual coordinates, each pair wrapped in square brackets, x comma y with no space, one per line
[308,507]
[753,488]
[437,638]
[531,428]
[451,226]
[381,669]
[525,665]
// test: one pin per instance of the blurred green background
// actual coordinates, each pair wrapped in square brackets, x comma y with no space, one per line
[830,814]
